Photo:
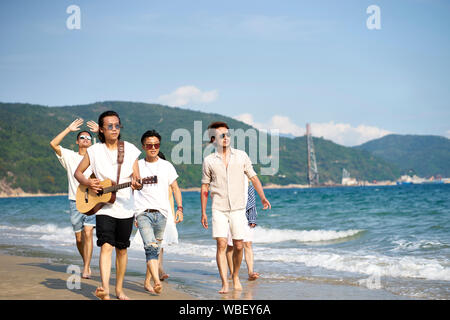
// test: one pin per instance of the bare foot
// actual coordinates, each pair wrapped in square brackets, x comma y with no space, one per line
[237,284]
[253,276]
[158,288]
[86,275]
[149,288]
[102,294]
[122,296]
[224,289]
[163,276]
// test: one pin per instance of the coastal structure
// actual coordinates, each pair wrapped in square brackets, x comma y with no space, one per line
[313,174]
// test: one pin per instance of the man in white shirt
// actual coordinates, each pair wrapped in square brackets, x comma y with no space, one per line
[82,225]
[223,175]
[152,204]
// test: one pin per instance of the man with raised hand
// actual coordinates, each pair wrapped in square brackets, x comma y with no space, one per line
[82,225]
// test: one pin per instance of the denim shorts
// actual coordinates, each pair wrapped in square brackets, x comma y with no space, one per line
[151,227]
[78,219]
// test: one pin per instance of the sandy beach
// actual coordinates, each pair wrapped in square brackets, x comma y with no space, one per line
[30,278]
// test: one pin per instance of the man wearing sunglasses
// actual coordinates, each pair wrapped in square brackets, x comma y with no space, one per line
[83,225]
[223,174]
[152,206]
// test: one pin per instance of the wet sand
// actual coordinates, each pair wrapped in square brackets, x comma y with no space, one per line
[30,278]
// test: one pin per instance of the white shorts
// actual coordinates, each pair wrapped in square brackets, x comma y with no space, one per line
[249,236]
[225,221]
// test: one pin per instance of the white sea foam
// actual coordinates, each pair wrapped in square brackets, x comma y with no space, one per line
[264,235]
[327,258]
[48,232]
[378,265]
[404,245]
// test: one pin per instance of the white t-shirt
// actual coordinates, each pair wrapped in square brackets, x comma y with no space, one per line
[70,160]
[104,165]
[155,196]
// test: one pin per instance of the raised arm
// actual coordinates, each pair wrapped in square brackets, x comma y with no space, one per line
[74,126]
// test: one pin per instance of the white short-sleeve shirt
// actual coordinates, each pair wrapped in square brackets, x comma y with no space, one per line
[155,196]
[103,163]
[70,160]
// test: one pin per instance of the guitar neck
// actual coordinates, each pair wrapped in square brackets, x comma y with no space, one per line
[114,188]
[117,187]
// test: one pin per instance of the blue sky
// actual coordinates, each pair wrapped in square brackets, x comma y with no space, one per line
[271,64]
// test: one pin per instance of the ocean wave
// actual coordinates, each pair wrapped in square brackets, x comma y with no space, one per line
[48,232]
[264,235]
[371,265]
[405,245]
[379,265]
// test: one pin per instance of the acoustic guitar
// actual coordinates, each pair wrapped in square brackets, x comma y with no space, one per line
[89,201]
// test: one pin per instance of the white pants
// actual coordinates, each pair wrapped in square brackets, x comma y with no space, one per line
[224,221]
[249,236]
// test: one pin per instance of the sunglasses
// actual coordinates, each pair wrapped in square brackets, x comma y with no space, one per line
[149,146]
[224,134]
[111,126]
[85,137]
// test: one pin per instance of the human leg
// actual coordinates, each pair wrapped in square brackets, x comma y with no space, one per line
[88,234]
[237,260]
[151,227]
[122,235]
[121,267]
[106,242]
[222,263]
[105,271]
[76,219]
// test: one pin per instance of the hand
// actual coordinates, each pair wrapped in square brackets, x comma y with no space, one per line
[135,183]
[204,220]
[75,125]
[94,184]
[252,225]
[93,126]
[179,216]
[266,204]
[136,223]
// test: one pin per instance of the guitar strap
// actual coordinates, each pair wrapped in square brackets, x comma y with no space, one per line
[120,155]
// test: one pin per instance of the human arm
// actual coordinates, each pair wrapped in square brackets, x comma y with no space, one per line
[204,201]
[74,126]
[259,189]
[178,199]
[136,177]
[92,183]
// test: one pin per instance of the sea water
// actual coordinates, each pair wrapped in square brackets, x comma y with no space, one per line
[391,239]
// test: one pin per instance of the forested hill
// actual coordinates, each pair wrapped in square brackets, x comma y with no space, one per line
[422,155]
[28,162]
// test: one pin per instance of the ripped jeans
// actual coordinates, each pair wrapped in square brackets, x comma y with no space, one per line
[151,227]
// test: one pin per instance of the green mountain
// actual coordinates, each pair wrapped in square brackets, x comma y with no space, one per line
[422,155]
[28,162]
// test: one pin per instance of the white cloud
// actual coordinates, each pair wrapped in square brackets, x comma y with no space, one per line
[341,133]
[188,95]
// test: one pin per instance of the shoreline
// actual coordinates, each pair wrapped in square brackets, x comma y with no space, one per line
[37,278]
[197,189]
